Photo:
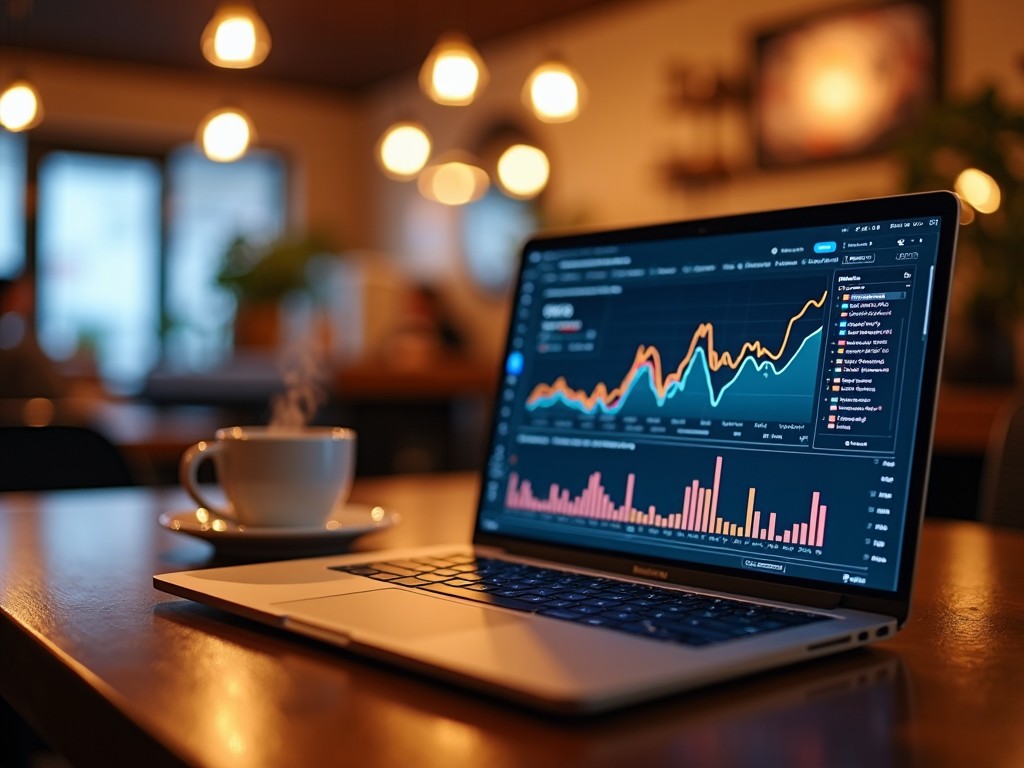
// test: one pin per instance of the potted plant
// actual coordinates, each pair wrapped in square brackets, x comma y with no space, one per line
[260,277]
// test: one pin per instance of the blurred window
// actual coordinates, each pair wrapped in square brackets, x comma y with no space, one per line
[98,261]
[13,170]
[113,285]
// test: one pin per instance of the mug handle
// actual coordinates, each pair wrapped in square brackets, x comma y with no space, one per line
[188,474]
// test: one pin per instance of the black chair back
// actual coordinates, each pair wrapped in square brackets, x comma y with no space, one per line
[60,457]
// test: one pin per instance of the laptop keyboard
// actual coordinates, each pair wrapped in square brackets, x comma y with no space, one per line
[640,609]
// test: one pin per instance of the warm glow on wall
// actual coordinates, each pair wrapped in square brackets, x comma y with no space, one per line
[403,150]
[523,171]
[979,190]
[838,96]
[554,92]
[225,135]
[836,92]
[236,37]
[21,109]
[454,182]
[453,72]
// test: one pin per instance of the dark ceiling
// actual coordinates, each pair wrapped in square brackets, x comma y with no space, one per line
[347,45]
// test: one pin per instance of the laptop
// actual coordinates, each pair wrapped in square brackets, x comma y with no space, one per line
[709,457]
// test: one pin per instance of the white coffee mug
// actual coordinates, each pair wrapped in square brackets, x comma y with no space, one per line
[275,477]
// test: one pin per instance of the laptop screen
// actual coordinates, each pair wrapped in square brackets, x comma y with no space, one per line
[741,395]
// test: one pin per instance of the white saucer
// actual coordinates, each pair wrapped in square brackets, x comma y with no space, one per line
[235,540]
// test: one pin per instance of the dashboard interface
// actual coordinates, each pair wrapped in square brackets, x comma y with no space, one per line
[744,401]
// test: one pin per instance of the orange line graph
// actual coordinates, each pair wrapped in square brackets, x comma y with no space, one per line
[649,355]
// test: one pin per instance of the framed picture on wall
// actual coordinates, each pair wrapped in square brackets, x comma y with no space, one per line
[843,82]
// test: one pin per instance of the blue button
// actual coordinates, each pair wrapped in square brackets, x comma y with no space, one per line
[514,364]
[825,247]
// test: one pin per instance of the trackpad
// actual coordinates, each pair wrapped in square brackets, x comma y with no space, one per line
[394,613]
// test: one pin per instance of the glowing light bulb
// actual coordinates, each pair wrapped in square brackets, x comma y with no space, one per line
[454,182]
[403,150]
[453,72]
[979,190]
[20,107]
[554,92]
[523,171]
[225,135]
[236,37]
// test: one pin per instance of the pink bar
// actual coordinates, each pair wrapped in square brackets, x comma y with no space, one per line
[785,537]
[821,525]
[714,493]
[630,480]
[706,514]
[511,497]
[803,533]
[771,525]
[755,528]
[815,497]
[694,504]
[686,506]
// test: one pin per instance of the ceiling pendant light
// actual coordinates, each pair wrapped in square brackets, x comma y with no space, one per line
[554,92]
[236,37]
[453,180]
[225,135]
[21,109]
[453,72]
[403,150]
[523,171]
[979,190]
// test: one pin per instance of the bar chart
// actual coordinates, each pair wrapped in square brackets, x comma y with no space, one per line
[698,513]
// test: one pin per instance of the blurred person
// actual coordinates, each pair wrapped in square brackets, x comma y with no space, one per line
[426,332]
[25,369]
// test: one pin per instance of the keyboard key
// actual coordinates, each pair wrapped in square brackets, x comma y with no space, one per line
[397,570]
[410,581]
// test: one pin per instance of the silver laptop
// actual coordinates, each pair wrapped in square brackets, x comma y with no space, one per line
[709,457]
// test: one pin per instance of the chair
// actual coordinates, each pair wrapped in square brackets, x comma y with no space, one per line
[60,457]
[1001,499]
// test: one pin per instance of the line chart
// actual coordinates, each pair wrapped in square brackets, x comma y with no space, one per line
[758,380]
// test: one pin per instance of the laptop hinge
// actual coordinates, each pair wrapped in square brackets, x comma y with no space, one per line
[672,576]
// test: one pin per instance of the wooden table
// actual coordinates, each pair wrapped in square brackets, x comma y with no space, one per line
[113,672]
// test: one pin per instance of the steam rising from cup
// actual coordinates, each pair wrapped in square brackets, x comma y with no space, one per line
[305,389]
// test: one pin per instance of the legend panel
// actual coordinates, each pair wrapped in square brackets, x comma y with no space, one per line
[861,372]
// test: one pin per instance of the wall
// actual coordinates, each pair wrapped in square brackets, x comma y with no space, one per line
[606,164]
